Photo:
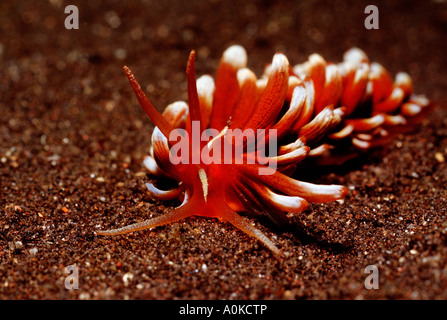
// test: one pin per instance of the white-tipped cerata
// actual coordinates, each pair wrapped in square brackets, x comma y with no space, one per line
[236,56]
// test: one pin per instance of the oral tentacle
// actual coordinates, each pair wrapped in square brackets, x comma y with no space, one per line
[178,213]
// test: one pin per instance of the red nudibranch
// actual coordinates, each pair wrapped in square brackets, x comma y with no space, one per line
[316,109]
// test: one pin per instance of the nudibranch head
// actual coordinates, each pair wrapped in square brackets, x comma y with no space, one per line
[235,144]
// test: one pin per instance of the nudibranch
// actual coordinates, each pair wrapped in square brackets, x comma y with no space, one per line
[233,147]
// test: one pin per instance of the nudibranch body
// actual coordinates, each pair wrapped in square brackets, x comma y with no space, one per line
[236,143]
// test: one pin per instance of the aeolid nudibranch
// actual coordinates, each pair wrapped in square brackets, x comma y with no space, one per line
[315,109]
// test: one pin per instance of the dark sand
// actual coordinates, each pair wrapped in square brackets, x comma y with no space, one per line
[72,140]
